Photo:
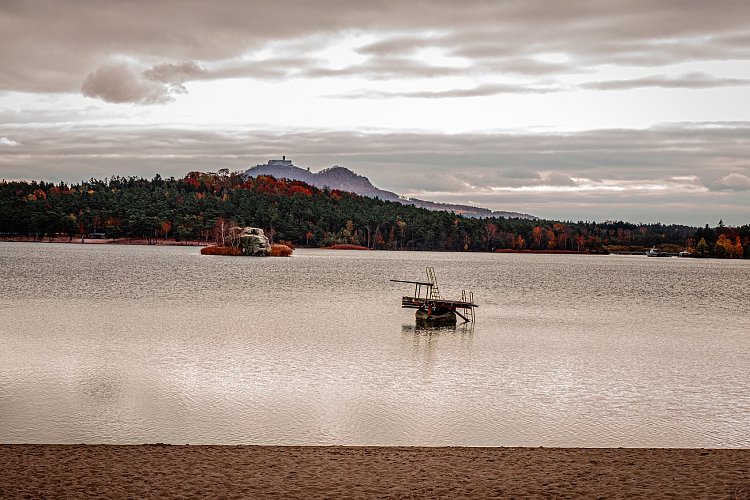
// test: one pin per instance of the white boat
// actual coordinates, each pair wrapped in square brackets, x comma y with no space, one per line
[657,253]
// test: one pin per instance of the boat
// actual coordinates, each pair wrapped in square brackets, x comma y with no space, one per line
[431,308]
[657,253]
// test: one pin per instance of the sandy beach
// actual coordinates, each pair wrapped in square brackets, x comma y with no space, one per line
[158,471]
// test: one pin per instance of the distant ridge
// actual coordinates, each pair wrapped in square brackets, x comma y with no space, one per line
[343,179]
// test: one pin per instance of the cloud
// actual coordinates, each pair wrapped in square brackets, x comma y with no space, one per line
[694,80]
[558,179]
[484,90]
[734,181]
[175,74]
[399,45]
[385,68]
[685,81]
[124,83]
[4,141]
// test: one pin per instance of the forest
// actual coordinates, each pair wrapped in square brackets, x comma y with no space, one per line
[201,206]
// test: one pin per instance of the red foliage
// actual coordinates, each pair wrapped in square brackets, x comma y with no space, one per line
[278,250]
[214,250]
[264,184]
[295,189]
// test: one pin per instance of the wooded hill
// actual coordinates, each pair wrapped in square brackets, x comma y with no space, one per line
[197,206]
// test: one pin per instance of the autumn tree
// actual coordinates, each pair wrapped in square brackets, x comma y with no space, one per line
[537,233]
[701,249]
[739,251]
[551,239]
[724,248]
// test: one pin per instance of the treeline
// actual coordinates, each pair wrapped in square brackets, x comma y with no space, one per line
[201,205]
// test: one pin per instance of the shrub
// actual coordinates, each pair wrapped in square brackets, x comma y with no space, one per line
[278,250]
[214,250]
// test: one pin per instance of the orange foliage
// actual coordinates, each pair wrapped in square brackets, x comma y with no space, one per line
[294,189]
[278,250]
[214,250]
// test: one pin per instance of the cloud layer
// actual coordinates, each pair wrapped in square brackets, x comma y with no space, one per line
[67,45]
[689,173]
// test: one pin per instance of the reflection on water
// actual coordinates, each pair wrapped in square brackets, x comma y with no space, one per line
[424,328]
[117,344]
[423,339]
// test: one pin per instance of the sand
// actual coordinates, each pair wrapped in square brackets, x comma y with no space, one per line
[151,471]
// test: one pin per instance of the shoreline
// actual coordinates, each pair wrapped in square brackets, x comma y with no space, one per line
[197,243]
[114,241]
[137,471]
[173,242]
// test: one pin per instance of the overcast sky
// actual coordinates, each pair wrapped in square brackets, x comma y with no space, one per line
[582,110]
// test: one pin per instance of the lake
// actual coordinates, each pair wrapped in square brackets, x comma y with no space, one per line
[137,344]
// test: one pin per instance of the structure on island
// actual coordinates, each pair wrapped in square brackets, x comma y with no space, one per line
[237,241]
[283,162]
[431,307]
[250,240]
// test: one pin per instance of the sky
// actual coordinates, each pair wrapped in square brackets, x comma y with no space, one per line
[578,110]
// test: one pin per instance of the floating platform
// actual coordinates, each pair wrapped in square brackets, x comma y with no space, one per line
[431,307]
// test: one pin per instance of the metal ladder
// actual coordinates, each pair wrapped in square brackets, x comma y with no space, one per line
[468,311]
[434,289]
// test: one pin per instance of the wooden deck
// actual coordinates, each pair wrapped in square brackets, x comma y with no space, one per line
[427,300]
[423,303]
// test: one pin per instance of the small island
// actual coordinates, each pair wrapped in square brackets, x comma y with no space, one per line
[250,241]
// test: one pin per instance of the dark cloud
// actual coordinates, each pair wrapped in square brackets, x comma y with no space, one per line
[558,179]
[686,173]
[692,80]
[488,89]
[175,74]
[127,83]
[735,182]
[121,82]
[386,68]
[53,46]
[399,45]
[684,81]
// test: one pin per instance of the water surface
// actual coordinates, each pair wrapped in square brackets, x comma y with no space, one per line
[133,344]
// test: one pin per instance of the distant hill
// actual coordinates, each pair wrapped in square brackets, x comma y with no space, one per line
[344,179]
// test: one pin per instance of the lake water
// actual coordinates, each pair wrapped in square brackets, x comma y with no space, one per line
[136,344]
